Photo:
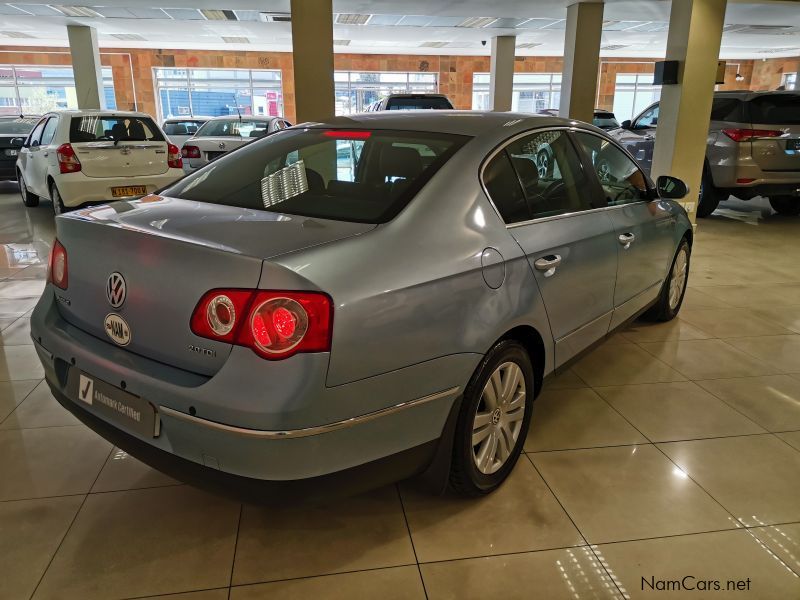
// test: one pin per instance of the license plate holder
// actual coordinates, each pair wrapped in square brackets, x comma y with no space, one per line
[128,191]
[122,408]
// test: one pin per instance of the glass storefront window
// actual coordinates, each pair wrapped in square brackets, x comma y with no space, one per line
[355,90]
[218,92]
[532,92]
[633,93]
[37,90]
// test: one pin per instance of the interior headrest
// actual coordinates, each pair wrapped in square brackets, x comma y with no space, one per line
[397,161]
[526,169]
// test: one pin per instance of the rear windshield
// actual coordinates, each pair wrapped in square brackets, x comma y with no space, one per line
[605,121]
[92,128]
[233,128]
[182,127]
[775,109]
[418,104]
[17,126]
[361,176]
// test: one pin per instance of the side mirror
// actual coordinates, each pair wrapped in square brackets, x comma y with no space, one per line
[34,143]
[671,187]
[626,124]
[18,142]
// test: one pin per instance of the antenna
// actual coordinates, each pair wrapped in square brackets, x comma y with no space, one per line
[236,104]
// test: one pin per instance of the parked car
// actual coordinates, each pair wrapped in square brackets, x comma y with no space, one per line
[180,129]
[604,119]
[13,131]
[753,148]
[355,325]
[411,102]
[75,157]
[220,135]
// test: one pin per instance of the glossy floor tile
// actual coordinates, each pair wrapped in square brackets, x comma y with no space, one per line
[659,435]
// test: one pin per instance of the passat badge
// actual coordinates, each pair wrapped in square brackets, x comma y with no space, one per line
[117,329]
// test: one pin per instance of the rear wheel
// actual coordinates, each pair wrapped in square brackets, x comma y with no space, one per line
[28,199]
[671,298]
[710,196]
[785,205]
[58,203]
[493,421]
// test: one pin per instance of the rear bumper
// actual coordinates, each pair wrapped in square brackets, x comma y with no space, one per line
[249,444]
[77,189]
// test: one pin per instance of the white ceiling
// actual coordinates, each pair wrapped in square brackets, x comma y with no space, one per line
[633,28]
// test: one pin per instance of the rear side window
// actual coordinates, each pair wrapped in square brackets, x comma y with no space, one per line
[504,189]
[775,109]
[233,128]
[727,109]
[182,127]
[418,104]
[49,131]
[361,176]
[92,128]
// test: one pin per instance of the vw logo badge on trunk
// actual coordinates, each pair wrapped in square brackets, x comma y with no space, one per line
[116,290]
[222,145]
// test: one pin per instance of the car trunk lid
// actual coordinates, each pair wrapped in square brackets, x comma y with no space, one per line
[779,153]
[169,253]
[122,159]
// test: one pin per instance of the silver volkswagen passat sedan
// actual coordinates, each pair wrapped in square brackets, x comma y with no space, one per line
[356,301]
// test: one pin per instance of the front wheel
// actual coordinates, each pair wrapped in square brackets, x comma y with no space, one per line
[785,205]
[493,422]
[674,288]
[28,199]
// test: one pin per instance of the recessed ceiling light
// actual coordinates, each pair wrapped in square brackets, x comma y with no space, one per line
[341,42]
[433,44]
[16,34]
[219,15]
[614,46]
[352,19]
[529,45]
[184,14]
[131,37]
[235,39]
[77,11]
[477,22]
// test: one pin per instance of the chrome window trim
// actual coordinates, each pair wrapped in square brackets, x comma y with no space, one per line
[307,431]
[570,129]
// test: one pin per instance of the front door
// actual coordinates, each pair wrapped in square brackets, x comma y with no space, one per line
[644,227]
[639,140]
[570,247]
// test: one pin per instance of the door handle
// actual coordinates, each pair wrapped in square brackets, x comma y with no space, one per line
[548,264]
[626,239]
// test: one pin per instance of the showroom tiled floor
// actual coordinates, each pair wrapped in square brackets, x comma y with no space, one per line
[670,450]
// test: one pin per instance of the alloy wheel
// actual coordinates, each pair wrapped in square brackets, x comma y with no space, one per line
[498,419]
[677,279]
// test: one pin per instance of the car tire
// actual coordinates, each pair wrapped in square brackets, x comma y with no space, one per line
[499,422]
[58,203]
[709,197]
[785,205]
[674,288]
[28,199]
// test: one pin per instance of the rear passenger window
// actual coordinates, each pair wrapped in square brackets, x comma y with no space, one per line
[550,173]
[727,109]
[621,179]
[504,190]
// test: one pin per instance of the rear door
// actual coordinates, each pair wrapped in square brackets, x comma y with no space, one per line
[776,116]
[571,248]
[639,140]
[644,228]
[45,155]
[28,156]
[118,146]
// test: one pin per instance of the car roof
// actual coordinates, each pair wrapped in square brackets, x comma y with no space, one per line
[188,118]
[244,118]
[749,94]
[465,122]
[74,112]
[419,95]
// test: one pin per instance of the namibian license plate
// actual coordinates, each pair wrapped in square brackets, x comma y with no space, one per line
[130,190]
[115,405]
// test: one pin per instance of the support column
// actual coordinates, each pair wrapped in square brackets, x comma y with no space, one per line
[312,51]
[581,59]
[501,74]
[86,66]
[695,34]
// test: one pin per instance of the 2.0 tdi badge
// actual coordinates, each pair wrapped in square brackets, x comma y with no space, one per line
[117,329]
[116,290]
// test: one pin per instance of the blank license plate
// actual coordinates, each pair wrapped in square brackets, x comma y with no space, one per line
[115,405]
[131,190]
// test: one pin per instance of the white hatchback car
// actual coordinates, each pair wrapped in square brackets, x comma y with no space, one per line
[75,157]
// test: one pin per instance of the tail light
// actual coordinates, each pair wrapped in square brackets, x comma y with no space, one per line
[57,268]
[275,325]
[174,159]
[67,159]
[190,152]
[748,135]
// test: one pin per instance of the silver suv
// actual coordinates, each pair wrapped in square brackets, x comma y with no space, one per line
[753,148]
[411,102]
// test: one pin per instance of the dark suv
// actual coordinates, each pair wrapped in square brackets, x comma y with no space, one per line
[753,148]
